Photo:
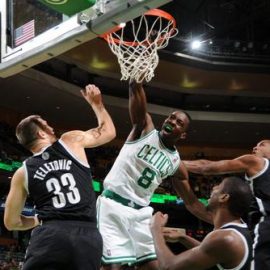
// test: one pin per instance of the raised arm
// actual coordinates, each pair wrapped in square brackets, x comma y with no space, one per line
[15,201]
[249,164]
[141,121]
[103,133]
[185,192]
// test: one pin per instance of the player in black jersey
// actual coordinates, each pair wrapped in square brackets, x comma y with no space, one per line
[257,172]
[229,246]
[58,179]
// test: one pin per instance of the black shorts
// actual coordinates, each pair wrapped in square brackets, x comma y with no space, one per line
[64,245]
[262,245]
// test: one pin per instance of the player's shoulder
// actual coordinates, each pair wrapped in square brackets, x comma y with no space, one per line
[220,239]
[19,176]
[251,159]
[223,245]
[135,137]
[72,136]
[20,171]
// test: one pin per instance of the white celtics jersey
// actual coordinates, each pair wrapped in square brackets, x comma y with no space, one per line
[140,167]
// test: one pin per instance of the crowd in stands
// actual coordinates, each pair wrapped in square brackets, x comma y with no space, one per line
[11,257]
[10,149]
[101,160]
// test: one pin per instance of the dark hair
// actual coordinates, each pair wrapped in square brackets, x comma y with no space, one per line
[26,130]
[188,115]
[240,195]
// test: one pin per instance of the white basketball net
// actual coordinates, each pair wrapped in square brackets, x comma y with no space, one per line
[139,58]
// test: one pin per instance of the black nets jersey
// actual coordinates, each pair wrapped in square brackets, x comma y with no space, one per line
[260,186]
[244,233]
[60,185]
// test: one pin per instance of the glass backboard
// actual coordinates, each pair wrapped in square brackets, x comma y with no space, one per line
[33,31]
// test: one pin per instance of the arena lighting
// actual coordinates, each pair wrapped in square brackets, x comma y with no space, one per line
[196,44]
[122,24]
[12,166]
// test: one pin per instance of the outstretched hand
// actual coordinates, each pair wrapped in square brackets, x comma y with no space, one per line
[92,95]
[173,235]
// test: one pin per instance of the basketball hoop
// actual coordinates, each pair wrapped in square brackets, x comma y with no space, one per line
[136,44]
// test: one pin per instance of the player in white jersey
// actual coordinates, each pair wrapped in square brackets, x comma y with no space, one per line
[147,157]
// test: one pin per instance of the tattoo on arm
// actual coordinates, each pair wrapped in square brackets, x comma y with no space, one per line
[97,131]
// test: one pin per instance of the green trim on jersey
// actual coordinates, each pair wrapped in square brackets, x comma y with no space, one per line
[147,257]
[169,150]
[122,259]
[142,138]
[98,211]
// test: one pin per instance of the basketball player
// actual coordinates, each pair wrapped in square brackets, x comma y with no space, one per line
[58,179]
[257,172]
[147,157]
[229,246]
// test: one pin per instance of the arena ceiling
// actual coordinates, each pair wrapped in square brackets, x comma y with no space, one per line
[224,85]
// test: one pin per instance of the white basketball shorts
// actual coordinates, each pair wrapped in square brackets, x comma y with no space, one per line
[125,231]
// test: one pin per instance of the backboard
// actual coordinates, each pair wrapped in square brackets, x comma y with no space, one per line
[33,31]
